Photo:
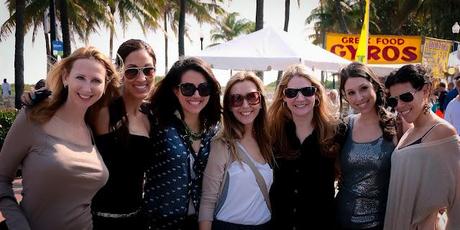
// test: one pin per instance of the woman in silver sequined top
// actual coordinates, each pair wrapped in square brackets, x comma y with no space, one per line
[365,157]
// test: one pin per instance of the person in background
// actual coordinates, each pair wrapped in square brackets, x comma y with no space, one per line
[6,88]
[452,114]
[185,112]
[303,130]
[365,157]
[61,170]
[244,137]
[452,93]
[123,138]
[335,102]
[425,165]
[442,93]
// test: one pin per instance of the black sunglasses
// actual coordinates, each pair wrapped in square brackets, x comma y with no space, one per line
[306,91]
[188,89]
[405,97]
[133,72]
[237,100]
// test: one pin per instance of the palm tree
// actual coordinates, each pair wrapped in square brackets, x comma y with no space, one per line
[259,14]
[65,27]
[19,53]
[230,27]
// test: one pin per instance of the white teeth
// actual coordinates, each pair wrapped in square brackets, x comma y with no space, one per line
[83,96]
[405,112]
[194,102]
[140,86]
[300,106]
[246,113]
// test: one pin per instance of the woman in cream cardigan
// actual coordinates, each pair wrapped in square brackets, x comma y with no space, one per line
[425,166]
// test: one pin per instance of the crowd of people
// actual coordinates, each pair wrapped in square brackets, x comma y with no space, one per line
[107,148]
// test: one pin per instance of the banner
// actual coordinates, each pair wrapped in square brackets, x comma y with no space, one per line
[436,55]
[361,54]
[382,49]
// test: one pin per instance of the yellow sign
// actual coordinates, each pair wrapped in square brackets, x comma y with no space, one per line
[382,49]
[436,55]
[361,54]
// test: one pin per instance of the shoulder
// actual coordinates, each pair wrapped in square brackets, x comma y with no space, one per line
[441,131]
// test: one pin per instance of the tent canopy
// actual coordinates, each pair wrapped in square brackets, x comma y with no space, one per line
[270,49]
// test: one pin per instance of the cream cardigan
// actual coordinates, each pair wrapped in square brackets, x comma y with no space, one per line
[424,179]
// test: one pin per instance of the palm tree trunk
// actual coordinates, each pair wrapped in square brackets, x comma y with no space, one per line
[112,30]
[182,27]
[260,25]
[165,20]
[65,28]
[287,6]
[343,24]
[19,53]
[52,29]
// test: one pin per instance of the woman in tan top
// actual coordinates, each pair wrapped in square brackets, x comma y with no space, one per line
[61,167]
[425,166]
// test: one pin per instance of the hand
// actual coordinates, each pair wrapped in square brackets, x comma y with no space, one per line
[34,97]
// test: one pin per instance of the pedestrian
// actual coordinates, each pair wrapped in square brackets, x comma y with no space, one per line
[61,170]
[185,111]
[6,88]
[425,165]
[122,135]
[302,127]
[238,175]
[365,157]
[453,109]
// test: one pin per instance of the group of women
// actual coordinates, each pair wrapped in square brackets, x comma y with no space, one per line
[111,152]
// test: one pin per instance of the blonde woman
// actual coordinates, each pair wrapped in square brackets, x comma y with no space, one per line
[302,127]
[232,198]
[61,167]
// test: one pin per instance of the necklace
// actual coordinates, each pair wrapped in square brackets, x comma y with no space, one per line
[193,136]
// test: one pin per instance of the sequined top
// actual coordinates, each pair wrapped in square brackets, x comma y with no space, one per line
[170,183]
[363,190]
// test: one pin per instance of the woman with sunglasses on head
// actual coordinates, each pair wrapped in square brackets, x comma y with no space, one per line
[240,159]
[185,111]
[61,170]
[123,139]
[364,161]
[302,128]
[425,166]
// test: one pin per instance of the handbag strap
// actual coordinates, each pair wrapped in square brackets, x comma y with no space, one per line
[259,179]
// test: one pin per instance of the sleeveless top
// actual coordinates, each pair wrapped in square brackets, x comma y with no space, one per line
[125,156]
[363,191]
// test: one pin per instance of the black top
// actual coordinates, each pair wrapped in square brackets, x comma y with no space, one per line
[302,193]
[125,156]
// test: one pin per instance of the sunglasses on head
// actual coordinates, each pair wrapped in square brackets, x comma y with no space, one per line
[237,100]
[188,89]
[405,97]
[133,72]
[306,91]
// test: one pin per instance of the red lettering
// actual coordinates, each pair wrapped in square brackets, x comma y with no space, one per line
[409,54]
[400,41]
[373,53]
[339,52]
[352,51]
[385,53]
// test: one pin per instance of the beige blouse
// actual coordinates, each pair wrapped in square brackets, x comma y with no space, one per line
[424,179]
[59,179]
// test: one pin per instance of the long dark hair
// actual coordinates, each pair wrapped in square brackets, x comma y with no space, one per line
[163,102]
[386,120]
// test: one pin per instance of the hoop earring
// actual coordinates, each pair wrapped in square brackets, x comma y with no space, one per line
[317,102]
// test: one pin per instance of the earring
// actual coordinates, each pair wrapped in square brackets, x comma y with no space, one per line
[317,102]
[426,108]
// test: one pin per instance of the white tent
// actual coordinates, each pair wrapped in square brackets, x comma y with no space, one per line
[270,49]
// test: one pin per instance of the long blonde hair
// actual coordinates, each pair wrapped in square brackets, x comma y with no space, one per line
[43,111]
[323,117]
[234,130]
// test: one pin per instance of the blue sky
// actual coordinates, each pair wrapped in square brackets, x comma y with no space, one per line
[35,57]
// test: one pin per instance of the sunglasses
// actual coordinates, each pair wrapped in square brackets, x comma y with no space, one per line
[188,89]
[237,100]
[133,72]
[405,97]
[306,91]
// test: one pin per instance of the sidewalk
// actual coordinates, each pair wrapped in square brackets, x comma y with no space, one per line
[17,187]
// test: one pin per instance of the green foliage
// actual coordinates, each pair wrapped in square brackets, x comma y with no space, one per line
[7,117]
